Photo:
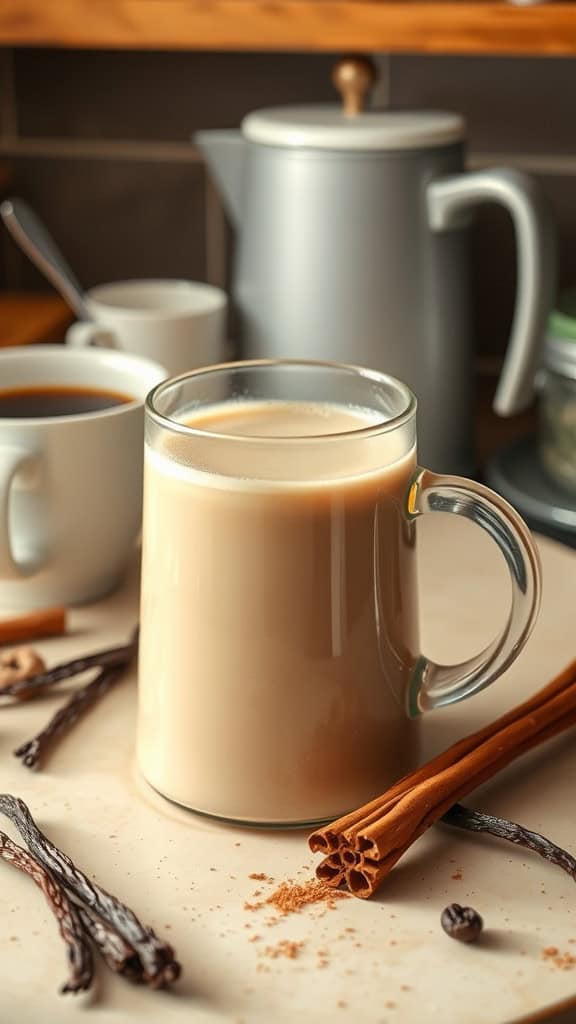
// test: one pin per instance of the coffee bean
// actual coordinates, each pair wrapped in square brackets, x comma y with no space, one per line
[462,923]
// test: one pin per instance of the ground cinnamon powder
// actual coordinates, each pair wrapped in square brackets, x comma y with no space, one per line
[285,948]
[290,897]
[564,961]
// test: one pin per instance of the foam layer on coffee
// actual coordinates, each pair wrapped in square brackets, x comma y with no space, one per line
[283,419]
[325,442]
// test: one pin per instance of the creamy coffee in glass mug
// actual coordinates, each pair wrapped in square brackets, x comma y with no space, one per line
[280,666]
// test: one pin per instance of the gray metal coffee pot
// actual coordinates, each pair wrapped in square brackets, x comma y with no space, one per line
[352,246]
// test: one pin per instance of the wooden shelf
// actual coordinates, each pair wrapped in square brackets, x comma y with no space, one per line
[27,318]
[459,26]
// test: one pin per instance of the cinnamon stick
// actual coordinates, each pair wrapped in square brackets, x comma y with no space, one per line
[328,837]
[332,870]
[370,871]
[33,625]
[367,843]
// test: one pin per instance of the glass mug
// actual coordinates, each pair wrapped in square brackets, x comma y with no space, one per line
[280,669]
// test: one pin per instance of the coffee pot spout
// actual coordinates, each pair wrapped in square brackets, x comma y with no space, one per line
[225,152]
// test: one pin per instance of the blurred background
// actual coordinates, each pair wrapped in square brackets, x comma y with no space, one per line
[99,142]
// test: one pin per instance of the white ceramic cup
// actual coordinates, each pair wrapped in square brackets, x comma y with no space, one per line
[70,485]
[180,324]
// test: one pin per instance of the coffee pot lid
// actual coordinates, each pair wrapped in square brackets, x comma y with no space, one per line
[350,127]
[325,127]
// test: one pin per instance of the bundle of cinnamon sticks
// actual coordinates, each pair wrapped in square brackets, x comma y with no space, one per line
[362,847]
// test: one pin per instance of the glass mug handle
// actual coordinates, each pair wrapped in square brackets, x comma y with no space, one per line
[432,685]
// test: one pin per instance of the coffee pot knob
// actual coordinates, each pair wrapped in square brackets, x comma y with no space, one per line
[353,77]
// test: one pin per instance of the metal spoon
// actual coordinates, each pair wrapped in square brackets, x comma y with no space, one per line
[34,239]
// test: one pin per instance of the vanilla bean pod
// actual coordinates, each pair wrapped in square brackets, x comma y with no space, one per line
[477,821]
[159,966]
[32,751]
[100,659]
[120,956]
[71,929]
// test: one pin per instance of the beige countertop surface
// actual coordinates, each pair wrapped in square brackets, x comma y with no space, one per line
[385,960]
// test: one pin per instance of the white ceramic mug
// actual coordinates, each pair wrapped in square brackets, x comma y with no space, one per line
[70,485]
[180,324]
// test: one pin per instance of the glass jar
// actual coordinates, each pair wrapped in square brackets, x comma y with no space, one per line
[558,411]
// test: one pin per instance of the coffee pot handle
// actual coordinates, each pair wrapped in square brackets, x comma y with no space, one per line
[12,460]
[433,685]
[448,203]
